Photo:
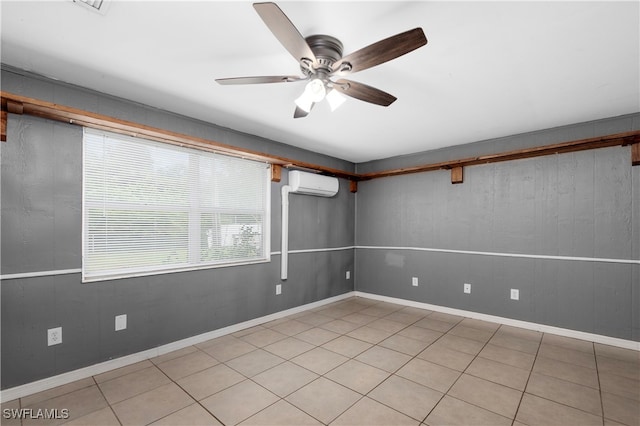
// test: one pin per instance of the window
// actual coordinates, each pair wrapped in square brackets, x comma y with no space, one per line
[151,208]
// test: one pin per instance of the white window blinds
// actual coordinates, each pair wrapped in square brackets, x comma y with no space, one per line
[151,207]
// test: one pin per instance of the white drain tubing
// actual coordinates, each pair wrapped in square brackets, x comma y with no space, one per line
[284,244]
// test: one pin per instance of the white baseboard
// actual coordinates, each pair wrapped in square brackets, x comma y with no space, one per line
[92,370]
[597,338]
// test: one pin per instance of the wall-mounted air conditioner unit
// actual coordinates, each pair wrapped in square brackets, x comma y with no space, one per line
[312,184]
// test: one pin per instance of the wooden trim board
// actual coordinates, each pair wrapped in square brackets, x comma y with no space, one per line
[17,104]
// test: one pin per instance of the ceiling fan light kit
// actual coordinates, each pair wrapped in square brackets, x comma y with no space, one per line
[335,99]
[320,58]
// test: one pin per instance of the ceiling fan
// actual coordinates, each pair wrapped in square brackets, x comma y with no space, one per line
[320,58]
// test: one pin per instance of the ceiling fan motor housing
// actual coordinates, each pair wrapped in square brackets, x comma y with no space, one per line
[327,50]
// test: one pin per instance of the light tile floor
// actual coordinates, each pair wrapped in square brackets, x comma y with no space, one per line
[363,362]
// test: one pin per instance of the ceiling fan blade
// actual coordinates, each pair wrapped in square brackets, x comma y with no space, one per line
[381,52]
[260,80]
[285,31]
[364,93]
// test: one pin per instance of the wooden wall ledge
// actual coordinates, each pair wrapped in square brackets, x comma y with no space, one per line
[23,105]
[618,139]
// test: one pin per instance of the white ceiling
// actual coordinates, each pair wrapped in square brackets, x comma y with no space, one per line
[490,69]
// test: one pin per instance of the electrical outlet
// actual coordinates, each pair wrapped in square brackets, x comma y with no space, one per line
[515,294]
[54,336]
[414,281]
[348,275]
[278,289]
[467,288]
[121,322]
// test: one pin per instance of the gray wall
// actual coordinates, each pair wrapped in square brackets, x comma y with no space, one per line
[583,204]
[41,231]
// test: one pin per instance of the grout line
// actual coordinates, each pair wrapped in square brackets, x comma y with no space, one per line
[463,372]
[294,363]
[365,395]
[183,389]
[411,358]
[535,359]
[105,400]
[416,357]
[348,359]
[564,380]
[599,385]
